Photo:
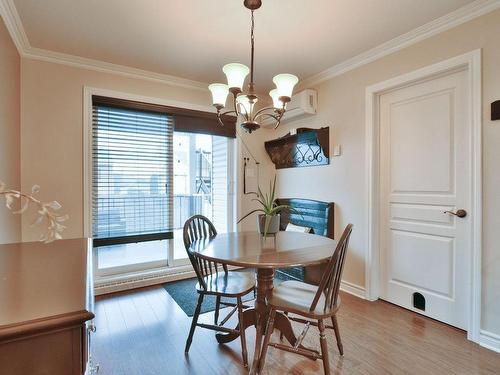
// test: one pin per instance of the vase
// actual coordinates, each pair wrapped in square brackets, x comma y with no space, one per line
[274,224]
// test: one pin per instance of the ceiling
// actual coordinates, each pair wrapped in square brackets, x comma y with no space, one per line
[193,38]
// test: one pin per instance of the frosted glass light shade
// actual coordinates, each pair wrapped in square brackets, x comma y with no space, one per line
[242,101]
[285,83]
[277,103]
[219,93]
[236,74]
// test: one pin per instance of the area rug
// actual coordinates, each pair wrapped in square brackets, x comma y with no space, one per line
[184,292]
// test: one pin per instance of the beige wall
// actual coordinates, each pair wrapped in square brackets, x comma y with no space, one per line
[52,130]
[342,107]
[10,225]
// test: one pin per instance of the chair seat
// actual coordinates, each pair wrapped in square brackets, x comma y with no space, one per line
[231,284]
[297,297]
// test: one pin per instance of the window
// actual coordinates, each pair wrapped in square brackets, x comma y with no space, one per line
[153,168]
[132,153]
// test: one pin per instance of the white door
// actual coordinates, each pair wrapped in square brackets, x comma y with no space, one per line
[425,171]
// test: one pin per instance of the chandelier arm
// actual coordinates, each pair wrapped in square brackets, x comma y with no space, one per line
[235,106]
[260,111]
[277,117]
[220,114]
[245,114]
[278,122]
[268,115]
[280,113]
[219,118]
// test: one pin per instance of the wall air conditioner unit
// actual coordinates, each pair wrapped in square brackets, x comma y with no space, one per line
[303,104]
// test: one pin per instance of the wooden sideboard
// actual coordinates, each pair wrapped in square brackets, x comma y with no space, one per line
[46,304]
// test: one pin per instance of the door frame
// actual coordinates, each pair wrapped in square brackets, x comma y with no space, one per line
[470,62]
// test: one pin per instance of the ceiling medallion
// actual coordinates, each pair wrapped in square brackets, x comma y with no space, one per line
[244,102]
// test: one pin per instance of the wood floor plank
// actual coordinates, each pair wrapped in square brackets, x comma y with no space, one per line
[144,332]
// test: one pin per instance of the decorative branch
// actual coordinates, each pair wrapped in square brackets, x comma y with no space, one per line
[46,212]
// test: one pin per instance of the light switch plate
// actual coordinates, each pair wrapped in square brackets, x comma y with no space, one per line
[337,150]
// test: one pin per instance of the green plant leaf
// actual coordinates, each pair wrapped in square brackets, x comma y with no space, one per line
[274,189]
[279,208]
[248,214]
[260,193]
[260,201]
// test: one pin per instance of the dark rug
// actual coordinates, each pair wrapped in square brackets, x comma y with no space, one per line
[184,291]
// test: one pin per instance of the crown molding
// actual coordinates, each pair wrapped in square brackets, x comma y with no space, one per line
[15,27]
[446,22]
[106,67]
[466,13]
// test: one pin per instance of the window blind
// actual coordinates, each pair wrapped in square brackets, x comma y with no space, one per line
[132,175]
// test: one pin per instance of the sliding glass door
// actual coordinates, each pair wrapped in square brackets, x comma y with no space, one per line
[201,184]
[132,197]
[147,180]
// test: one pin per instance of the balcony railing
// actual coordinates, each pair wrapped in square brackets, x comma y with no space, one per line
[128,215]
[186,206]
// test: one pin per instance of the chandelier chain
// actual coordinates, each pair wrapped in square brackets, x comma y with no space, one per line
[252,51]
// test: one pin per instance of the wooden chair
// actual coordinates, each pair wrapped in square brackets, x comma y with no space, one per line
[314,304]
[214,279]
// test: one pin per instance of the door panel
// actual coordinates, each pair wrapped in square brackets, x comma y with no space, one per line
[423,261]
[411,135]
[421,213]
[424,172]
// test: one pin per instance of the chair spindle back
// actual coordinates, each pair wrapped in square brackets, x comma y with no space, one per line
[330,281]
[196,228]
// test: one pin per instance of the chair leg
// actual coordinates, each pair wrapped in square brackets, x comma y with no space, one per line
[217,307]
[194,322]
[267,338]
[324,347]
[242,332]
[337,334]
[281,333]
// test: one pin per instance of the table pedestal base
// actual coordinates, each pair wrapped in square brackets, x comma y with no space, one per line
[258,317]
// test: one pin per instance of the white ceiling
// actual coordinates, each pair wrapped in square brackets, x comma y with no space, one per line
[194,38]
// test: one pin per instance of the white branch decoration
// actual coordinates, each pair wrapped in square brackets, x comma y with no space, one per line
[47,212]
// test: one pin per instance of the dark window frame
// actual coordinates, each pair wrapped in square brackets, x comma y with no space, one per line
[185,120]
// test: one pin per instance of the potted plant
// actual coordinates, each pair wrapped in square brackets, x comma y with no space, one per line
[268,221]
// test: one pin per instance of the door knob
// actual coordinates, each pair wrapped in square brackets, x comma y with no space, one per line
[459,213]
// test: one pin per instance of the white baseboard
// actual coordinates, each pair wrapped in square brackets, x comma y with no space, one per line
[489,340]
[353,289]
[121,283]
[112,284]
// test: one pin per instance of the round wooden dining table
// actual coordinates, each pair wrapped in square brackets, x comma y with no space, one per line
[251,250]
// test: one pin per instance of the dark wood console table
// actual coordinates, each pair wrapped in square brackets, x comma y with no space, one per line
[46,303]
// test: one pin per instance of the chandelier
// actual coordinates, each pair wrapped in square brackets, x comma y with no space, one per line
[244,102]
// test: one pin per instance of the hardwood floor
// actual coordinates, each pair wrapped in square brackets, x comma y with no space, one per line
[143,332]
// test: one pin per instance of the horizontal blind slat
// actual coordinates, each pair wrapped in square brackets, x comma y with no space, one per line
[132,162]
